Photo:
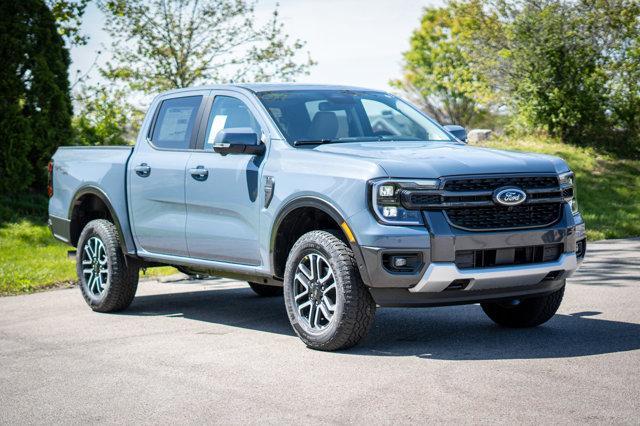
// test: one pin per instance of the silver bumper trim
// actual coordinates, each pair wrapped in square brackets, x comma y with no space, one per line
[439,275]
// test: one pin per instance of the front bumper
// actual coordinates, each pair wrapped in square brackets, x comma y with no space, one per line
[431,282]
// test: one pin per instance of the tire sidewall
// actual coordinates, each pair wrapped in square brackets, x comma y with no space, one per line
[298,252]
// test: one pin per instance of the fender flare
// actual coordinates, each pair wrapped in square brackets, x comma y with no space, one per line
[324,206]
[96,191]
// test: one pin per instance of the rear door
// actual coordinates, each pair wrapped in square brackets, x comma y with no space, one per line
[223,205]
[157,174]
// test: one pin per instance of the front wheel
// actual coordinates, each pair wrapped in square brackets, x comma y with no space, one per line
[527,313]
[107,281]
[328,305]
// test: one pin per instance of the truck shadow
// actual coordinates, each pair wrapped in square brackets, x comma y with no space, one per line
[451,333]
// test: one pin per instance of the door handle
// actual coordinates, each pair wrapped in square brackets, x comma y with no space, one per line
[199,173]
[142,170]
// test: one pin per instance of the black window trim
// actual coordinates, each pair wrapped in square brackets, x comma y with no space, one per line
[204,122]
[195,131]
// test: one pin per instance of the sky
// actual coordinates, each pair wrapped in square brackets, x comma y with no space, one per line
[355,42]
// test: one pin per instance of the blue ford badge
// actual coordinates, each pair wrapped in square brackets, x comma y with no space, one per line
[509,196]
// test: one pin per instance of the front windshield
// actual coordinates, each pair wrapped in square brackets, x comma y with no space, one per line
[322,116]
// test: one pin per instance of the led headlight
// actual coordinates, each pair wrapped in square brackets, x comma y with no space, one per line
[385,200]
[568,187]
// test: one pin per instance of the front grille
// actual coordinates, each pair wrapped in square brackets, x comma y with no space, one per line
[498,217]
[492,183]
[487,258]
[468,202]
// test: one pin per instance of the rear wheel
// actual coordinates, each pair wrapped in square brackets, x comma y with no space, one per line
[526,313]
[328,305]
[107,281]
[265,290]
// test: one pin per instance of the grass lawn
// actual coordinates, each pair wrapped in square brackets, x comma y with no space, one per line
[608,189]
[30,258]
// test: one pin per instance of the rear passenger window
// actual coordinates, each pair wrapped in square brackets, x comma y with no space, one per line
[175,122]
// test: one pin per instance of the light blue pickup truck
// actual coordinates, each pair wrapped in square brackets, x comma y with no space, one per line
[340,198]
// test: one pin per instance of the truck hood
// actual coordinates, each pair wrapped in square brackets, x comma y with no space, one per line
[436,159]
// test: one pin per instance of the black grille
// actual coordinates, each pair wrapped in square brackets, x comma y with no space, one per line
[508,256]
[418,198]
[492,183]
[499,217]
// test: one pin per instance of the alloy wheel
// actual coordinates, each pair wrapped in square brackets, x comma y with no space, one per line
[95,266]
[315,292]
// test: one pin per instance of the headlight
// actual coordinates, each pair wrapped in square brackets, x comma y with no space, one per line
[568,187]
[385,200]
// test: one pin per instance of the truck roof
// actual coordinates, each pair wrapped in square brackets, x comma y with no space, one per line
[267,87]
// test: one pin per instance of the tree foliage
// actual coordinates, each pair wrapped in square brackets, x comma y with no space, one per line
[105,118]
[438,76]
[568,67]
[165,44]
[68,15]
[35,107]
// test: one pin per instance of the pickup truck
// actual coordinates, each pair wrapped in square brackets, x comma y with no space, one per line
[340,199]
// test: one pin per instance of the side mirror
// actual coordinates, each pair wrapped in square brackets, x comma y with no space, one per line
[238,140]
[457,131]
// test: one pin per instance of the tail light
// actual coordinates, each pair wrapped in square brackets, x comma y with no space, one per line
[50,179]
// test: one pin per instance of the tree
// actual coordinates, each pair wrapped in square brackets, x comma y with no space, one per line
[68,15]
[567,66]
[439,75]
[35,107]
[106,118]
[165,44]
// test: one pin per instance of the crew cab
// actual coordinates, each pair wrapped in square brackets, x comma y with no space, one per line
[339,199]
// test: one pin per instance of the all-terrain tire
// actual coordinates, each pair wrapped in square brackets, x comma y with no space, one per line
[529,312]
[264,290]
[122,281]
[354,307]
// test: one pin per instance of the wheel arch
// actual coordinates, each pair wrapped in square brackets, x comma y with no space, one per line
[89,203]
[295,213]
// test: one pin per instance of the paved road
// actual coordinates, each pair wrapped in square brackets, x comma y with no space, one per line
[195,352]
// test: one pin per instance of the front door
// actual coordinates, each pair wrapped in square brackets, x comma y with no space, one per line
[222,200]
[157,174]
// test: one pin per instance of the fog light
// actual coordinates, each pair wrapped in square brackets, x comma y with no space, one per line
[390,211]
[399,262]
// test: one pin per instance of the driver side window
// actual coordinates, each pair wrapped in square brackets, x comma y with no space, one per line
[228,112]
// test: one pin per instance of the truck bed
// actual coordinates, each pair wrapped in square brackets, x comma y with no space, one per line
[98,169]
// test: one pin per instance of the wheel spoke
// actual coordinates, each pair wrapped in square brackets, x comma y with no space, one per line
[304,306]
[319,261]
[301,295]
[313,260]
[330,304]
[96,247]
[329,288]
[312,311]
[87,271]
[302,268]
[302,279]
[88,251]
[316,317]
[325,311]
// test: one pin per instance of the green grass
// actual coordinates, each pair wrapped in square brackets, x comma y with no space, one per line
[608,188]
[30,258]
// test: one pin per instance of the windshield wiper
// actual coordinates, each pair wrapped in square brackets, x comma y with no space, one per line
[313,141]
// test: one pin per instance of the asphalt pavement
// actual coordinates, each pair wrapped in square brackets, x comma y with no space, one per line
[213,352]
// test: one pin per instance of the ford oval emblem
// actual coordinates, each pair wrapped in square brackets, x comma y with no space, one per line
[509,196]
